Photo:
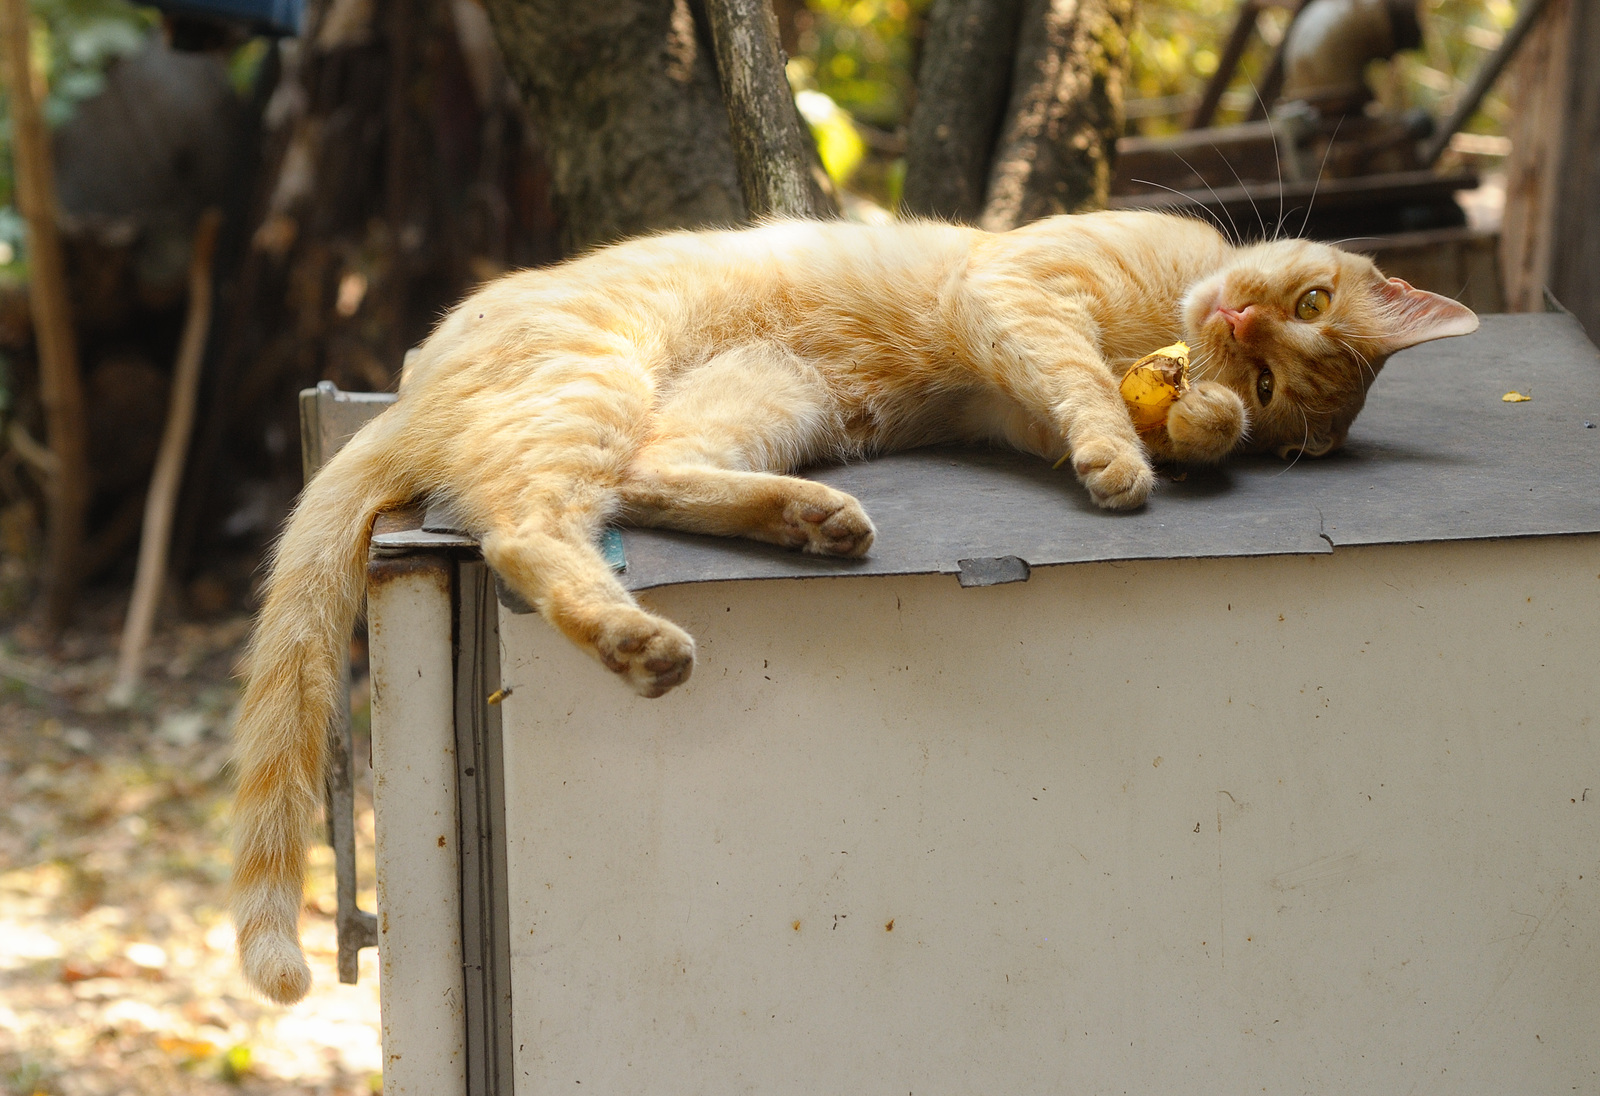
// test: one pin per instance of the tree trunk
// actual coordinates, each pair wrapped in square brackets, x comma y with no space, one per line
[771,148]
[1056,150]
[961,97]
[624,94]
[61,389]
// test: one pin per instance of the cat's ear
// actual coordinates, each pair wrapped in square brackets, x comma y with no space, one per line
[1416,316]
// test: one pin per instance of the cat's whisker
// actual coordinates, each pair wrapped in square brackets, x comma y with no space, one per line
[1366,362]
[1222,228]
[1310,205]
[1238,237]
[1305,440]
[1242,188]
[1277,158]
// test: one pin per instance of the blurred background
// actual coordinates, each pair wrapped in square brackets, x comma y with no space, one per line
[249,198]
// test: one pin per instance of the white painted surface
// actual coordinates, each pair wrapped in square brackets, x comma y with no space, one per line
[418,853]
[1297,825]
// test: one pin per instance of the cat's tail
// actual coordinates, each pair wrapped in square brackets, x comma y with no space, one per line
[292,688]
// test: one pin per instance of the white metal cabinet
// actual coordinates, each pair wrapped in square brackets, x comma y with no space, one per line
[1281,825]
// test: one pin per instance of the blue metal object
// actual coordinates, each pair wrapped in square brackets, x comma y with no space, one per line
[275,17]
[611,547]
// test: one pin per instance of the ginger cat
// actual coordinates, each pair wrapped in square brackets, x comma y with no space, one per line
[674,381]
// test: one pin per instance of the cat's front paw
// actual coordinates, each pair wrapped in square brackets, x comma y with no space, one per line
[1205,423]
[651,654]
[1116,473]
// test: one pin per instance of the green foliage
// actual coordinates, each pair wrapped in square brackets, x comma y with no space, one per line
[73,42]
[859,53]
[838,144]
[235,1064]
[78,40]
[1176,45]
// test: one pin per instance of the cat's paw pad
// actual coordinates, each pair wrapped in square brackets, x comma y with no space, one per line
[1206,422]
[651,654]
[837,527]
[1116,473]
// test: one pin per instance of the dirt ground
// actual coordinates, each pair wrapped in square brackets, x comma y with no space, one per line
[117,973]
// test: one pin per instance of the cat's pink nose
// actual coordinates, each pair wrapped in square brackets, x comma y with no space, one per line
[1240,320]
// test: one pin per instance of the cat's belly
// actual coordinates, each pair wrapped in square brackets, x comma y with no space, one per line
[968,417]
[994,419]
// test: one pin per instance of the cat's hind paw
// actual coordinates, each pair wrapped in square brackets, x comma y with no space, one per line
[1116,473]
[839,528]
[651,654]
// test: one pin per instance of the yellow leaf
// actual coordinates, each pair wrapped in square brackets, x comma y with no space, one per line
[1154,383]
[1515,397]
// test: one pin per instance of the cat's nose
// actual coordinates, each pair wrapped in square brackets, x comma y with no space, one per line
[1240,320]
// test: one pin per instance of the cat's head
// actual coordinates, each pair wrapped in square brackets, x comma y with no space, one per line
[1299,330]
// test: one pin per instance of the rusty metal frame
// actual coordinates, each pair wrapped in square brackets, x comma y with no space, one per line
[328,418]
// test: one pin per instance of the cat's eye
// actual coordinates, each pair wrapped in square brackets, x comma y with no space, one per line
[1264,387]
[1312,304]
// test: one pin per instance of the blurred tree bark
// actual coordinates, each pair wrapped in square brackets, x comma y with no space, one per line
[779,173]
[625,96]
[397,171]
[1056,152]
[1550,238]
[961,99]
[1538,138]
[1019,105]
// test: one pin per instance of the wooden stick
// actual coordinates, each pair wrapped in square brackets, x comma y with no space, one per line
[168,472]
[60,388]
[769,146]
[1272,79]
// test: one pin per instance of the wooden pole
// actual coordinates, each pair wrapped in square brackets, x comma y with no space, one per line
[1238,41]
[61,389]
[771,150]
[1485,79]
[168,473]
[1575,258]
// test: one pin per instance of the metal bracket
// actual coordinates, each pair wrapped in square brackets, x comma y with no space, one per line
[328,419]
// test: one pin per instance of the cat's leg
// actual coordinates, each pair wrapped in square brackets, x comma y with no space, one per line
[673,491]
[537,482]
[1061,380]
[560,572]
[723,433]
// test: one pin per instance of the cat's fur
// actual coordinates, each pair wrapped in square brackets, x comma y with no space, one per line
[672,381]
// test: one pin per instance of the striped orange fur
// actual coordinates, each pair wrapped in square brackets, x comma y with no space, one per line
[676,381]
